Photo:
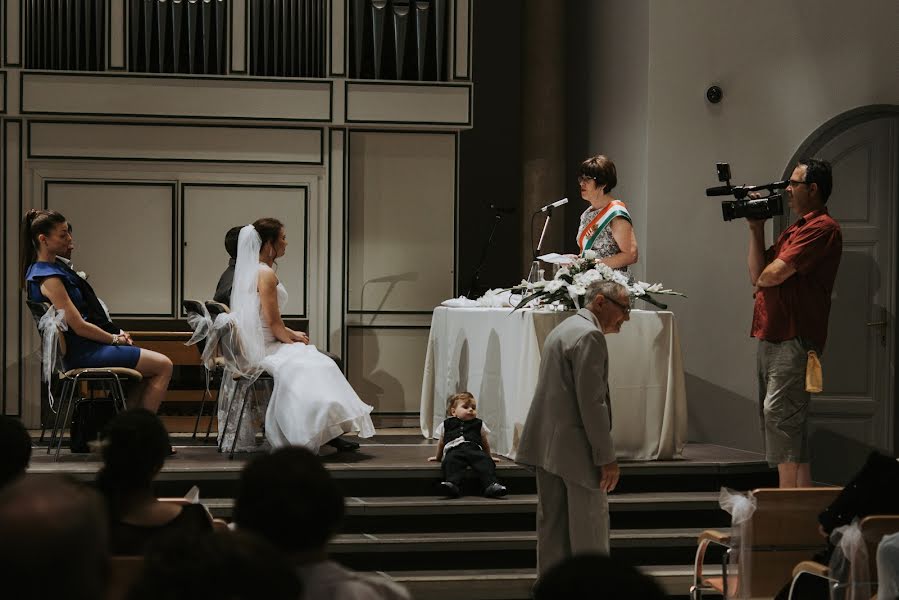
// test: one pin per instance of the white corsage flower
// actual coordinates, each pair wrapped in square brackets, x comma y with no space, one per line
[590,254]
[82,275]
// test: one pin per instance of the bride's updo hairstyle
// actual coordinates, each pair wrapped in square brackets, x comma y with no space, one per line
[269,230]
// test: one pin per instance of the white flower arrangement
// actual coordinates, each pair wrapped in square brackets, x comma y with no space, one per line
[567,289]
[82,275]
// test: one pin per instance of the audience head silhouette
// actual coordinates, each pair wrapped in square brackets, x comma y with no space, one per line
[52,517]
[231,241]
[233,565]
[15,448]
[135,445]
[595,575]
[289,498]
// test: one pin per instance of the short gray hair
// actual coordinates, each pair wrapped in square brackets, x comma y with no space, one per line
[604,288]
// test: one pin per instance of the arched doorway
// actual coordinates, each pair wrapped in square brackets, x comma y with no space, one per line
[857,410]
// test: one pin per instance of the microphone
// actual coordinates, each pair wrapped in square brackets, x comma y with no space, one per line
[719,190]
[777,185]
[555,204]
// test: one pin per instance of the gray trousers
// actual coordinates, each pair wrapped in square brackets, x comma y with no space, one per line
[783,401]
[571,519]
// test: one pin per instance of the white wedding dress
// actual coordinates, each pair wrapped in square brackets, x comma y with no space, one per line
[310,403]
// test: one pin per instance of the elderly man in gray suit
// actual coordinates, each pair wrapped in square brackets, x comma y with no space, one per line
[567,435]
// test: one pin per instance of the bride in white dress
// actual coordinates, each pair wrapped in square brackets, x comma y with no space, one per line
[311,402]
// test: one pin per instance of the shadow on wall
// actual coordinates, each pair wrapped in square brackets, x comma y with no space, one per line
[837,458]
[719,416]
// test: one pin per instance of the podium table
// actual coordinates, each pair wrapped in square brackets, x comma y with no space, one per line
[494,353]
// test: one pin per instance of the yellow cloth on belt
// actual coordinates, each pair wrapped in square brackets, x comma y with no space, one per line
[814,379]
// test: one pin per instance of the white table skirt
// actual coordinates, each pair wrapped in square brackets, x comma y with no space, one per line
[495,354]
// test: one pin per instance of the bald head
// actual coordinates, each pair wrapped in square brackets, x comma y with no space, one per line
[52,516]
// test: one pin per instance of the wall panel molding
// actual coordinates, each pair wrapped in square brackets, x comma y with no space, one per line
[404,103]
[11,298]
[176,97]
[87,140]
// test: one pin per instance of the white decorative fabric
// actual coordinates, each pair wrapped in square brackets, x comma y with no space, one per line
[494,353]
[888,567]
[740,507]
[849,563]
[51,325]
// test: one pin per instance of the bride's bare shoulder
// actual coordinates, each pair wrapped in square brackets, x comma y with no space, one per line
[267,275]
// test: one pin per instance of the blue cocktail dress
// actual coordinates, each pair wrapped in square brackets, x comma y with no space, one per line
[80,352]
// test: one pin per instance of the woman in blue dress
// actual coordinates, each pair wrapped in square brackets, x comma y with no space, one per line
[45,235]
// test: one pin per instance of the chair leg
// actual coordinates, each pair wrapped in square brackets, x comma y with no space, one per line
[202,404]
[68,402]
[120,394]
[228,408]
[243,407]
[62,396]
[214,412]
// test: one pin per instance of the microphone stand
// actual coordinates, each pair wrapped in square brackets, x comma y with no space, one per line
[549,214]
[497,217]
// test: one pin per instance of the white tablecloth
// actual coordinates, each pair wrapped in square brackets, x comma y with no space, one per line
[495,354]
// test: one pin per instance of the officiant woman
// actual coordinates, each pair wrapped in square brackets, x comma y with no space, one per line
[606,226]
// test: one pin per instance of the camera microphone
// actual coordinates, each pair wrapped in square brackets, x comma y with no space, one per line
[720,190]
[777,185]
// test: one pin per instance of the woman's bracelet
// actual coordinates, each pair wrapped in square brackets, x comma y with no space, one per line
[115,339]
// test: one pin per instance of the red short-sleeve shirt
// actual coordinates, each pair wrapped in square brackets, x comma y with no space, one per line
[800,306]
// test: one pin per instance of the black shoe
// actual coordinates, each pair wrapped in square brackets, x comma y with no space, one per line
[451,489]
[495,490]
[342,445]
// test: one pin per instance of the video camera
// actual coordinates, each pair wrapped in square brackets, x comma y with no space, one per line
[745,207]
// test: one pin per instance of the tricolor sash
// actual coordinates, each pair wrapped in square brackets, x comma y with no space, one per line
[615,208]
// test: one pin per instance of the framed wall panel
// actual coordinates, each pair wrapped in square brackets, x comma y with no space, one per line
[404,103]
[384,366]
[400,221]
[12,34]
[210,210]
[11,302]
[160,141]
[174,97]
[462,15]
[129,252]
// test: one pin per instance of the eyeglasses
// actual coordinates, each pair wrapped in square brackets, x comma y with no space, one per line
[625,308]
[794,183]
[585,178]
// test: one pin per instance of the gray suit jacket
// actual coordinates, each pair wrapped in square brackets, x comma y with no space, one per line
[568,429]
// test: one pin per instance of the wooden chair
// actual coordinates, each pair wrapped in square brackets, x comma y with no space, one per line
[106,378]
[783,530]
[873,528]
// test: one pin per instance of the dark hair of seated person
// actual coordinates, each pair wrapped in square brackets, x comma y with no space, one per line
[289,499]
[232,565]
[596,576]
[134,447]
[15,448]
[231,240]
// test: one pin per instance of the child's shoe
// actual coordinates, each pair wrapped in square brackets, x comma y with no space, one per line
[451,489]
[495,490]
